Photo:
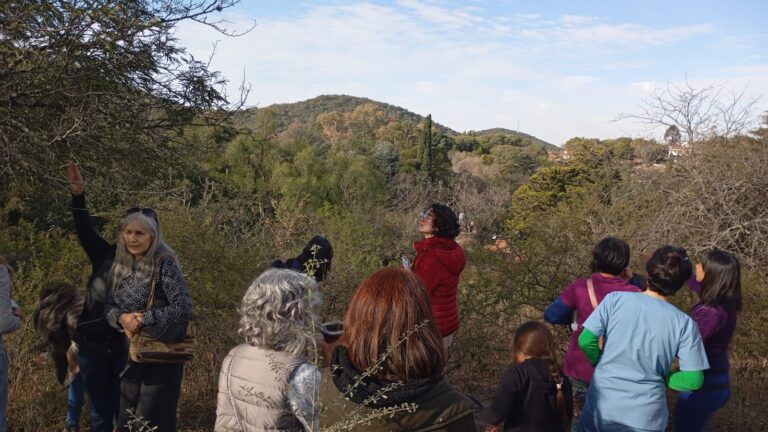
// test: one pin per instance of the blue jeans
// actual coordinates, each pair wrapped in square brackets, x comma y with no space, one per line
[100,371]
[694,409]
[3,387]
[75,400]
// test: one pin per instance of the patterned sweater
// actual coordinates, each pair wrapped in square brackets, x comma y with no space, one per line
[134,290]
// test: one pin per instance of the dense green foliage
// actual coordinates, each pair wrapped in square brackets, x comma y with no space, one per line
[100,82]
[307,111]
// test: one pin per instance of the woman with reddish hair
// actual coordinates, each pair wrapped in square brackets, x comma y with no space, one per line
[388,373]
[438,264]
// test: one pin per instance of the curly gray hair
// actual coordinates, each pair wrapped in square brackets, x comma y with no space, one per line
[276,312]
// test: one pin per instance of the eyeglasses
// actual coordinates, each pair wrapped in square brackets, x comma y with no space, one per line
[426,214]
[146,211]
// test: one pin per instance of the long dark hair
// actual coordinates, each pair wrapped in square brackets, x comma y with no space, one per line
[533,339]
[722,280]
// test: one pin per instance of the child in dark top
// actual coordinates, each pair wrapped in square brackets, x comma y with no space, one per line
[717,282]
[534,395]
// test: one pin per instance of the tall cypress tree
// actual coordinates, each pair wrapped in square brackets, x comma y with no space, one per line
[428,148]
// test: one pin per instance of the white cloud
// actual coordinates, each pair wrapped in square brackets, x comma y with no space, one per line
[646,86]
[577,19]
[576,80]
[631,35]
[756,70]
[441,15]
[469,71]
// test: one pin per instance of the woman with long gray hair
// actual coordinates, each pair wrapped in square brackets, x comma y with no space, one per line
[149,393]
[268,383]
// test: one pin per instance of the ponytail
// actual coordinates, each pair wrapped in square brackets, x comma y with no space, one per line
[557,378]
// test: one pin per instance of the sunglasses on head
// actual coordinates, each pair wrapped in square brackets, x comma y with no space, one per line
[146,211]
[426,214]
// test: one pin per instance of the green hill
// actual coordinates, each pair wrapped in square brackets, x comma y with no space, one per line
[513,133]
[308,110]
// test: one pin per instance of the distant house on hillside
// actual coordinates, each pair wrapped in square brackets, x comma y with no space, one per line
[676,150]
[559,154]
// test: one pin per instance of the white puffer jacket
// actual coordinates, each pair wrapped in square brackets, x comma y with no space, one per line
[253,386]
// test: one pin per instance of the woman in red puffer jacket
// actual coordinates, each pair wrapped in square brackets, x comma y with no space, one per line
[439,262]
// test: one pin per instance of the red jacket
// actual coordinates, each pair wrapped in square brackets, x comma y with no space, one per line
[439,262]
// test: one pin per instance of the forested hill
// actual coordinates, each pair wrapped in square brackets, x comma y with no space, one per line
[306,112]
[508,132]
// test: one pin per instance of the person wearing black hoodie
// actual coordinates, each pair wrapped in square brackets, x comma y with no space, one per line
[101,353]
[534,395]
[314,260]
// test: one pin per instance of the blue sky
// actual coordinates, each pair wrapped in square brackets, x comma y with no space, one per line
[554,69]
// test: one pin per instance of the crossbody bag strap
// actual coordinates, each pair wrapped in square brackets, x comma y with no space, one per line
[231,396]
[592,296]
[157,273]
[593,300]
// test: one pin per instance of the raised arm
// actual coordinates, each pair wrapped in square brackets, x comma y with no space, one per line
[94,245]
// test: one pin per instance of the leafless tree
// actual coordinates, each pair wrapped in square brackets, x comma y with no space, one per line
[714,198]
[698,113]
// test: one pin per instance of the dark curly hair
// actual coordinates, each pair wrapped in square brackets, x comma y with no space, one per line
[446,223]
[668,269]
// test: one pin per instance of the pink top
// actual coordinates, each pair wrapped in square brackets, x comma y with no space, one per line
[575,296]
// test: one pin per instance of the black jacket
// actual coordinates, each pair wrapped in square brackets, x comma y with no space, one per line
[526,399]
[92,330]
[429,404]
